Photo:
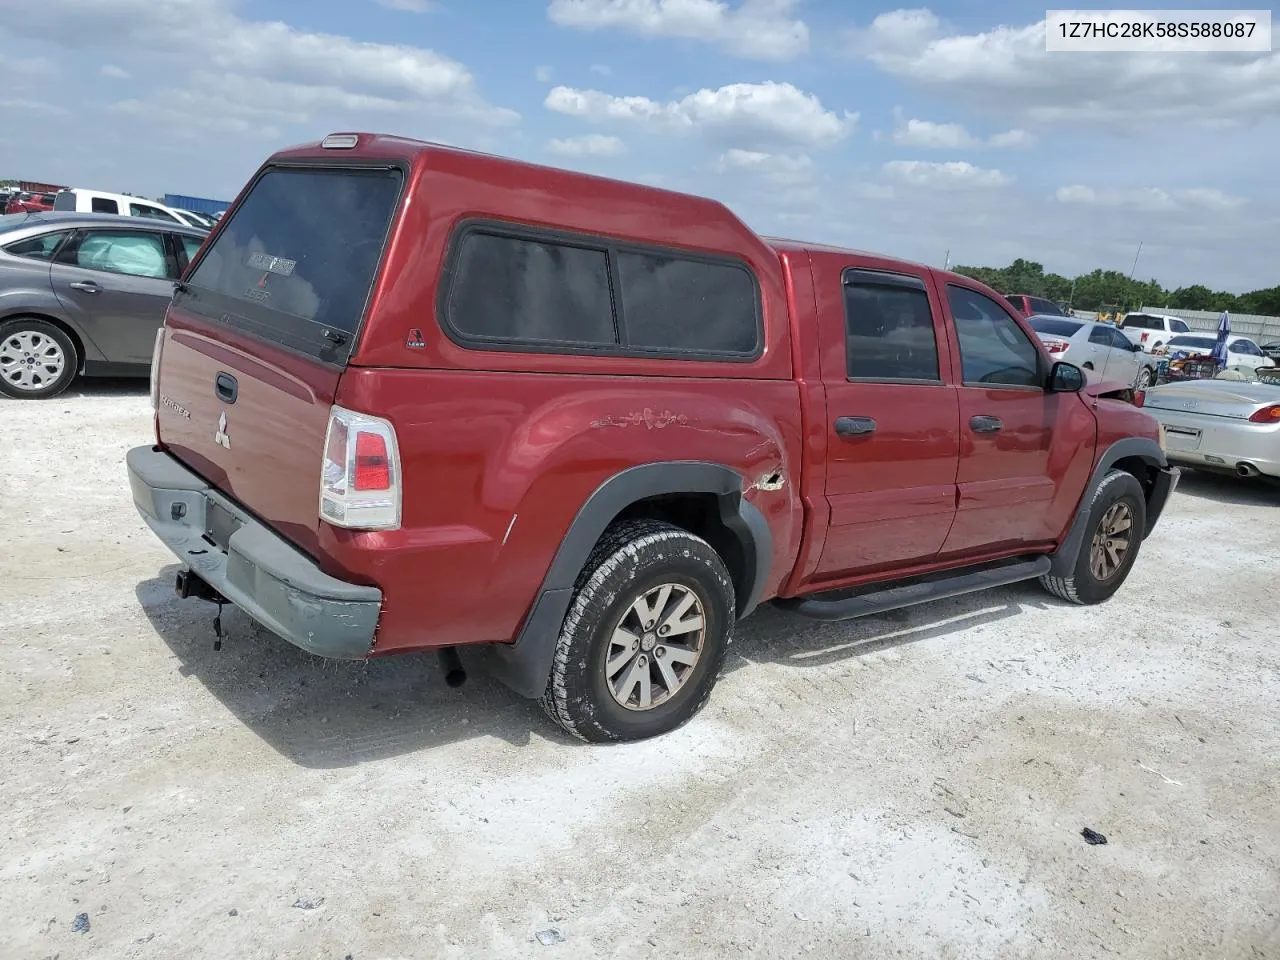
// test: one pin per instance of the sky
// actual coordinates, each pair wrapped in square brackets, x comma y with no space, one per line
[914,132]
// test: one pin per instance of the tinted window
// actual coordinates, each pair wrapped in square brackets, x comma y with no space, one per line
[136,253]
[1100,335]
[103,205]
[298,256]
[509,288]
[889,331]
[1055,327]
[41,247]
[1247,347]
[1045,306]
[1177,326]
[993,349]
[1193,343]
[1142,322]
[675,304]
[1121,342]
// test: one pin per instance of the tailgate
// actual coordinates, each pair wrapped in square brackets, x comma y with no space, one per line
[262,327]
[264,447]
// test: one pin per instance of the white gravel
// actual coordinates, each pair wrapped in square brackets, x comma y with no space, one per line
[912,785]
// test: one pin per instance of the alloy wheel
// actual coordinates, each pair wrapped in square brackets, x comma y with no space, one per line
[1111,541]
[655,647]
[31,360]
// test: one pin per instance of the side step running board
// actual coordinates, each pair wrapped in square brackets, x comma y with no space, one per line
[894,598]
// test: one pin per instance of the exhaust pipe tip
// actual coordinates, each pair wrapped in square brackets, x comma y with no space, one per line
[451,666]
[1247,470]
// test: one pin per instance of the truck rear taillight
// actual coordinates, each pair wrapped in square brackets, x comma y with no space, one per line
[360,483]
[155,368]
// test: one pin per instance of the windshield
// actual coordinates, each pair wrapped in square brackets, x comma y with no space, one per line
[1054,326]
[296,261]
[1199,343]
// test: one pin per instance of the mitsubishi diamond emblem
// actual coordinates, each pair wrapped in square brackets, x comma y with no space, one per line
[221,438]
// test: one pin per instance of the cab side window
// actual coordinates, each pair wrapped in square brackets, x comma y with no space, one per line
[889,333]
[994,352]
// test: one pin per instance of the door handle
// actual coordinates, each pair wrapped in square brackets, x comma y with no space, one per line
[984,424]
[855,426]
[88,286]
[227,387]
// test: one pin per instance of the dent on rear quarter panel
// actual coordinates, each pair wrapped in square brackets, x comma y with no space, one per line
[497,465]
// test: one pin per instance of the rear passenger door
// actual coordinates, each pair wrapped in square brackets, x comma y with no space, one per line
[1125,358]
[1025,453]
[892,429]
[118,284]
[1095,361]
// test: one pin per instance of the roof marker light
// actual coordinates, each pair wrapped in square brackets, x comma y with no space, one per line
[339,141]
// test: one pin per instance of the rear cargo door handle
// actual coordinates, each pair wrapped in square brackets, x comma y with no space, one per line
[88,286]
[986,424]
[855,426]
[227,387]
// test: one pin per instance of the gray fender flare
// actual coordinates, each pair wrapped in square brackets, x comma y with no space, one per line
[1064,557]
[525,664]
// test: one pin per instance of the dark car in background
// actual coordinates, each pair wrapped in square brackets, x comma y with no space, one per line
[83,294]
[1272,349]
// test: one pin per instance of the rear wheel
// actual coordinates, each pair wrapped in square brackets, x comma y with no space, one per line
[645,636]
[1117,520]
[1146,377]
[37,359]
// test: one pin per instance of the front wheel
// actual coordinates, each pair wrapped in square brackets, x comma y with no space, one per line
[1117,520]
[645,636]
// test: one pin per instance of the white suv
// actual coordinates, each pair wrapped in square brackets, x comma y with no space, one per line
[1151,330]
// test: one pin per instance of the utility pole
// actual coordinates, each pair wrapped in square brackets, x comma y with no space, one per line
[946,264]
[1136,306]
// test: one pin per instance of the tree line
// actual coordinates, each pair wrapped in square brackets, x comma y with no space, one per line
[1090,291]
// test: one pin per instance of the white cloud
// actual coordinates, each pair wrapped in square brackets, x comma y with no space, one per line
[754,29]
[114,72]
[951,174]
[409,6]
[1009,68]
[928,135]
[587,145]
[795,168]
[311,71]
[1150,199]
[746,115]
[543,74]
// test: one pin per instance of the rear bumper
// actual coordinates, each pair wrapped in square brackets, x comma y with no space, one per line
[1165,483]
[253,567]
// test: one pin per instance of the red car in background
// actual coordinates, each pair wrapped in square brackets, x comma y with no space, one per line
[29,203]
[1029,306]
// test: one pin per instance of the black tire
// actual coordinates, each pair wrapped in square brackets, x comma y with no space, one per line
[11,347]
[633,559]
[1146,379]
[1083,585]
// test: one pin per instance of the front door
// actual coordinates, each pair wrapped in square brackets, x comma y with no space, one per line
[892,429]
[1025,453]
[118,283]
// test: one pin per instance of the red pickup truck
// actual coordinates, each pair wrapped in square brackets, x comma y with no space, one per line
[416,398]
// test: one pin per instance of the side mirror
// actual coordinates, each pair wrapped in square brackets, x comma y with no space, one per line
[1066,378]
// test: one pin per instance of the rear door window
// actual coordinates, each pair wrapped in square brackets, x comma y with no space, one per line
[135,253]
[296,262]
[103,205]
[676,304]
[889,333]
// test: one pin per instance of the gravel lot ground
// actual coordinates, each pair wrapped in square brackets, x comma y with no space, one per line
[912,785]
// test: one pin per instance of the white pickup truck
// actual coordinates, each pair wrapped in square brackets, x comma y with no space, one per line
[1151,330]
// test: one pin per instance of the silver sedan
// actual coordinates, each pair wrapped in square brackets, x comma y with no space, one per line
[1220,424]
[1102,351]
